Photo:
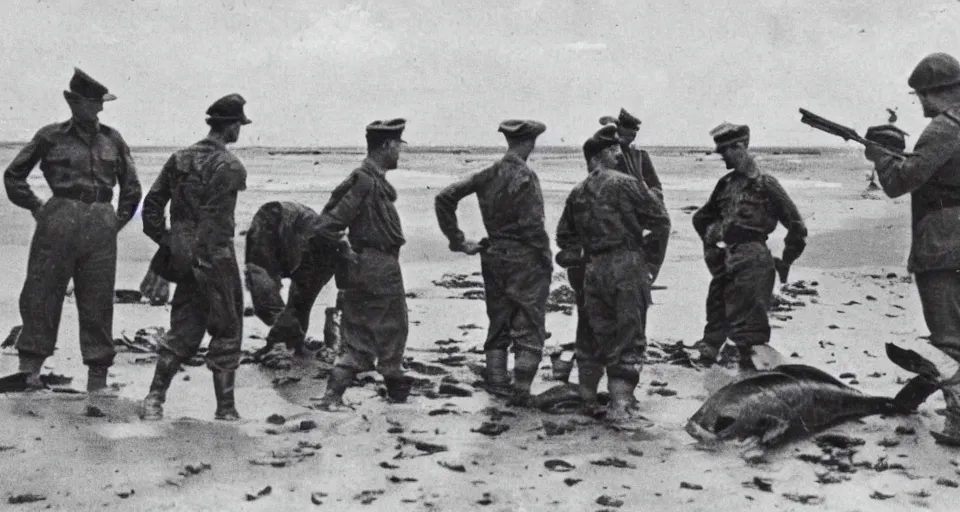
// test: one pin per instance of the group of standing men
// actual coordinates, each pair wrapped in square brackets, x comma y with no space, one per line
[612,237]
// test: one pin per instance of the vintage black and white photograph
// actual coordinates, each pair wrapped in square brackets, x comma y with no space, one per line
[485,255]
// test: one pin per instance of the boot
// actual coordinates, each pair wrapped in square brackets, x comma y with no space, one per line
[525,366]
[495,376]
[708,353]
[621,382]
[98,394]
[30,365]
[223,385]
[398,388]
[167,368]
[745,363]
[340,379]
[561,368]
[950,436]
[590,373]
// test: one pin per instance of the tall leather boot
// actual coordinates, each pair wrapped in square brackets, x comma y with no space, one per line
[167,367]
[223,385]
[495,376]
[340,379]
[746,364]
[590,373]
[98,394]
[622,381]
[398,388]
[950,436]
[525,366]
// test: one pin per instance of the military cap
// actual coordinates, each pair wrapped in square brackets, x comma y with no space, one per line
[728,134]
[84,86]
[888,135]
[228,108]
[935,71]
[628,120]
[522,128]
[602,139]
[386,130]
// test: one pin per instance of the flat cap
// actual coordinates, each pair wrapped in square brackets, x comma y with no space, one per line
[602,139]
[386,130]
[888,135]
[228,108]
[728,134]
[935,71]
[522,128]
[85,86]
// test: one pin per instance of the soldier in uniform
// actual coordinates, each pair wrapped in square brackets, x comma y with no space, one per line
[280,244]
[76,235]
[374,322]
[931,175]
[603,225]
[515,258]
[742,211]
[201,183]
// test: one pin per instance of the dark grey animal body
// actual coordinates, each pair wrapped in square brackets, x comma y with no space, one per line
[793,401]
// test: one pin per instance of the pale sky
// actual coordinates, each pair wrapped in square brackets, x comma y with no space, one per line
[316,72]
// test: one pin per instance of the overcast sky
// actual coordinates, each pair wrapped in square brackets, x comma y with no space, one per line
[315,72]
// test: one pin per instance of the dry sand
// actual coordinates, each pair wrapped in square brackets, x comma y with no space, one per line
[369,459]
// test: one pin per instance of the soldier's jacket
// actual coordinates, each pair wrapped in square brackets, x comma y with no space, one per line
[611,209]
[511,204]
[363,205]
[71,160]
[747,209]
[283,230]
[932,177]
[201,184]
[637,163]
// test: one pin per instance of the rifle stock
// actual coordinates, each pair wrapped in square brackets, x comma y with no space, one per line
[845,132]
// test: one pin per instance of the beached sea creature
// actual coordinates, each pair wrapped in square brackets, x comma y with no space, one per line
[792,401]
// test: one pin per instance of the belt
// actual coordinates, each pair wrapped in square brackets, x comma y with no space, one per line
[608,250]
[939,204]
[395,251]
[86,195]
[743,236]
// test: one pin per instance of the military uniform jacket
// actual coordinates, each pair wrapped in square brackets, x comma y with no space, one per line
[511,204]
[611,209]
[201,183]
[932,176]
[747,209]
[71,160]
[637,163]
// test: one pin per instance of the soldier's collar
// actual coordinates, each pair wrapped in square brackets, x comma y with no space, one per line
[371,165]
[72,126]
[214,142]
[750,169]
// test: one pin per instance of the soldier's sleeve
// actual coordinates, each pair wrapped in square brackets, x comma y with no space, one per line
[650,175]
[343,207]
[567,237]
[218,206]
[130,190]
[651,215]
[155,204]
[445,206]
[708,213]
[938,142]
[788,215]
[15,177]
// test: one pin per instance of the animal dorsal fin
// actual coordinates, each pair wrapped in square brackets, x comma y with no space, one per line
[760,381]
[802,371]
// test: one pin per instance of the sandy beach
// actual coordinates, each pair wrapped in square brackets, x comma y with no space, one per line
[426,455]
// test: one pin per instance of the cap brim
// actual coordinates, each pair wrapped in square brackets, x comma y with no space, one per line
[108,97]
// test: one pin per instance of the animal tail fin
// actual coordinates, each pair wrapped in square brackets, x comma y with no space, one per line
[917,390]
[912,362]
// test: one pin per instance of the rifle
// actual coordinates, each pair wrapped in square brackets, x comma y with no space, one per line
[846,133]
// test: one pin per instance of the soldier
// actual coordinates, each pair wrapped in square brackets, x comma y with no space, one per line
[636,162]
[279,246]
[742,211]
[374,322]
[602,224]
[931,175]
[76,236]
[515,258]
[201,183]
